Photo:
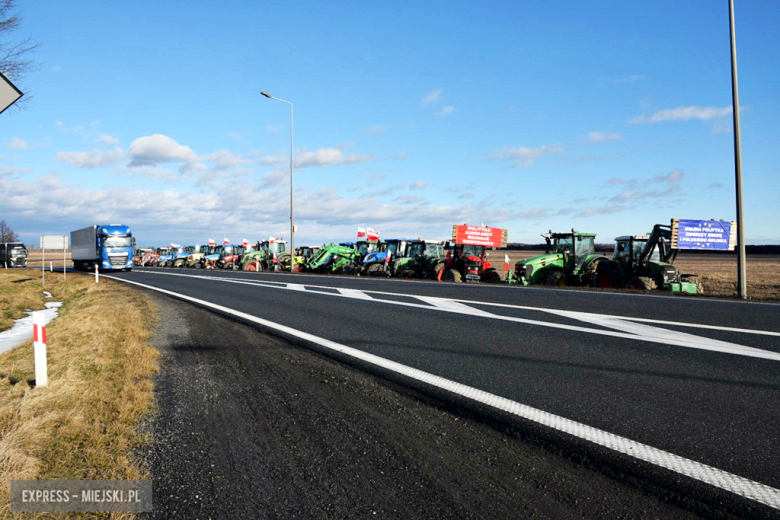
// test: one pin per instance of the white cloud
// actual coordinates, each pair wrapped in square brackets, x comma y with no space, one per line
[447,111]
[157,149]
[107,139]
[270,160]
[418,185]
[522,156]
[224,159]
[684,114]
[273,128]
[56,68]
[325,157]
[377,129]
[432,97]
[18,144]
[638,189]
[603,137]
[409,199]
[715,186]
[400,155]
[92,159]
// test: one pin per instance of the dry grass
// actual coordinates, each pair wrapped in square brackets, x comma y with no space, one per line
[717,273]
[85,424]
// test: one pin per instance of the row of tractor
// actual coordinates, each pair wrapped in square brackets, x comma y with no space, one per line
[400,258]
[642,262]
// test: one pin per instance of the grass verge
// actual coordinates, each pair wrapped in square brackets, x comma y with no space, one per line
[86,423]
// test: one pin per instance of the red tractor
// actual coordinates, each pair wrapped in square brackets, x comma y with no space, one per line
[468,263]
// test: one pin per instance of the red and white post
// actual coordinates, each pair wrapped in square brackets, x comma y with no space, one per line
[39,349]
[96,273]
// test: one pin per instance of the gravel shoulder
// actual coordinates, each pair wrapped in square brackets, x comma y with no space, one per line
[248,425]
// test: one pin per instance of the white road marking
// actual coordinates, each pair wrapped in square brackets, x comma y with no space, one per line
[713,476]
[295,287]
[453,306]
[353,293]
[624,329]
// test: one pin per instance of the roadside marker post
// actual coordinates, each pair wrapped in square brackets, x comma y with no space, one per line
[257,265]
[39,349]
[51,266]
[96,273]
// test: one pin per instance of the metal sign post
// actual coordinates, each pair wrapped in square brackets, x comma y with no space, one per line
[741,261]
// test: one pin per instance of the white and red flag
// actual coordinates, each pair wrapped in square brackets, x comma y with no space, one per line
[225,241]
[271,240]
[245,243]
[361,232]
[211,242]
[372,235]
[387,258]
[506,262]
[174,246]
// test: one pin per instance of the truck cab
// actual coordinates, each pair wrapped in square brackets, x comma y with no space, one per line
[13,254]
[108,247]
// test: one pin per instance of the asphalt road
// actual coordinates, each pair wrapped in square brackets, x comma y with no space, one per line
[677,381]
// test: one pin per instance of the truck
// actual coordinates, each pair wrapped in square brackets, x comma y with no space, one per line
[13,254]
[107,247]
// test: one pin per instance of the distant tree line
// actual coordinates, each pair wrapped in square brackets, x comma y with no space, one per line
[6,233]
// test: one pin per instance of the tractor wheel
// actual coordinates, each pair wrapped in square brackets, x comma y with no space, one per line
[250,266]
[376,270]
[556,279]
[641,283]
[438,271]
[491,276]
[349,270]
[603,280]
[589,277]
[408,274]
[452,275]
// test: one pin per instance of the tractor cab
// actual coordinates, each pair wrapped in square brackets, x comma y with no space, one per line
[576,248]
[307,252]
[468,260]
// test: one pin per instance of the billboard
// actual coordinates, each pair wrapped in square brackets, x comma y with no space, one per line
[479,236]
[706,235]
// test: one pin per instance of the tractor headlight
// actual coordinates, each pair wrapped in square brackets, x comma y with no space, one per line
[528,270]
[670,273]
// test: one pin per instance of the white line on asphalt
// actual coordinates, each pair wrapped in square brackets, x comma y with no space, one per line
[660,335]
[353,293]
[295,287]
[708,474]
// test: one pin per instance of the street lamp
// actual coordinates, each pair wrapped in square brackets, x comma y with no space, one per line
[292,227]
[741,261]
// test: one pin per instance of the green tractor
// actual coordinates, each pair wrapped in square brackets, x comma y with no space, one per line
[570,259]
[302,255]
[644,262]
[423,259]
[263,256]
[334,258]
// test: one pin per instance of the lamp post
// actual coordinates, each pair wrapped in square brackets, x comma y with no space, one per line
[741,261]
[292,226]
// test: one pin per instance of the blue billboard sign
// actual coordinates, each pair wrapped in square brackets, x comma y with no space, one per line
[708,235]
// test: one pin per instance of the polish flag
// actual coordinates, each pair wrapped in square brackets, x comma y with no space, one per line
[361,232]
[506,262]
[174,246]
[225,241]
[271,240]
[372,235]
[245,243]
[211,242]
[387,258]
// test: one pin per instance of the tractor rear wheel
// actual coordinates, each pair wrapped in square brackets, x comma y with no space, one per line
[376,270]
[603,280]
[452,275]
[438,271]
[408,274]
[250,266]
[641,283]
[491,276]
[590,276]
[556,279]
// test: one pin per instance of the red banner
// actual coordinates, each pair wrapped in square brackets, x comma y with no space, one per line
[479,236]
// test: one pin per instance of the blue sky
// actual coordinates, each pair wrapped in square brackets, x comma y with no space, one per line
[604,116]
